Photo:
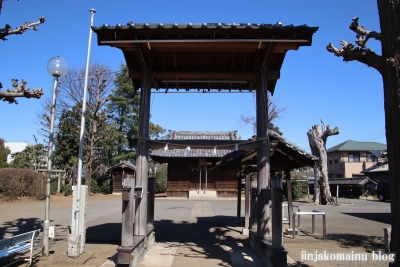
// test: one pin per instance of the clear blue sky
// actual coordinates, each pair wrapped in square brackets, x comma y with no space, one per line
[313,85]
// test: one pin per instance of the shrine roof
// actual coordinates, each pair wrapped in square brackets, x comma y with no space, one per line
[123,164]
[193,152]
[202,135]
[285,153]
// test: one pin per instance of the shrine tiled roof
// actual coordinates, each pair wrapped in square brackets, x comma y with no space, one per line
[192,135]
[191,152]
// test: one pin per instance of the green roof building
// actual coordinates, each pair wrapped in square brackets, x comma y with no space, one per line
[350,158]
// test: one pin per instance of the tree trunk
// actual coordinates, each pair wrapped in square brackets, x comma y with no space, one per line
[317,138]
[88,178]
[388,65]
[389,15]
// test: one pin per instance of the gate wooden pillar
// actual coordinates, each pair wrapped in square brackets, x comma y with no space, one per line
[142,155]
[274,255]
[263,163]
[143,236]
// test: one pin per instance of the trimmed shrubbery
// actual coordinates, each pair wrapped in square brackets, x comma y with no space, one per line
[16,183]
[299,188]
[101,185]
[67,190]
[161,178]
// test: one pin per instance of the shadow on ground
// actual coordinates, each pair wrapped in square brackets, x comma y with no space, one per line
[377,217]
[16,227]
[109,233]
[20,226]
[369,243]
[206,237]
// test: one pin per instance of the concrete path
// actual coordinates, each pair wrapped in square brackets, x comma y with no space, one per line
[203,239]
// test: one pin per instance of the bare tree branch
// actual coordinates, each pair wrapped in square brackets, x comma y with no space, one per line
[360,53]
[329,132]
[20,91]
[274,112]
[21,29]
[363,34]
[363,55]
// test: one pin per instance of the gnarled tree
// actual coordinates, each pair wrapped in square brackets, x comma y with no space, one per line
[388,65]
[317,137]
[21,29]
[19,89]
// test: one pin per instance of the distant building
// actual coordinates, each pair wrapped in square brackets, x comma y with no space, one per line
[119,172]
[351,158]
[195,169]
[379,172]
[14,147]
[217,170]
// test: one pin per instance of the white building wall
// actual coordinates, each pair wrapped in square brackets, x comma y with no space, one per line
[14,147]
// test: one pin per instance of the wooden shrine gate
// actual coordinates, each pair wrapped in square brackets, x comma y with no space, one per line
[208,56]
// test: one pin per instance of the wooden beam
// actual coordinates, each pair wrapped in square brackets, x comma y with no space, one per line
[205,47]
[206,75]
[197,144]
[283,153]
[250,156]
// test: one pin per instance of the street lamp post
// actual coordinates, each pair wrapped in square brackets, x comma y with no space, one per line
[57,67]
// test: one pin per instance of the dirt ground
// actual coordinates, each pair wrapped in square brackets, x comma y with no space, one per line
[297,252]
[24,215]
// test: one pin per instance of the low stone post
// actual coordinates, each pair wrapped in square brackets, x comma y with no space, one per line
[387,231]
[76,242]
[150,202]
[253,203]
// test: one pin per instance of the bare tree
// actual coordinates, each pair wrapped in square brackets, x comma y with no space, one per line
[317,138]
[70,94]
[71,86]
[43,117]
[274,112]
[388,65]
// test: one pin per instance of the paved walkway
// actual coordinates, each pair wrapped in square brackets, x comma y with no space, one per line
[205,239]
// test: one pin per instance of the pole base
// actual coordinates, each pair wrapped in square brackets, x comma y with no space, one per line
[74,243]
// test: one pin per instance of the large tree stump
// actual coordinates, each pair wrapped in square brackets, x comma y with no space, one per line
[317,137]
